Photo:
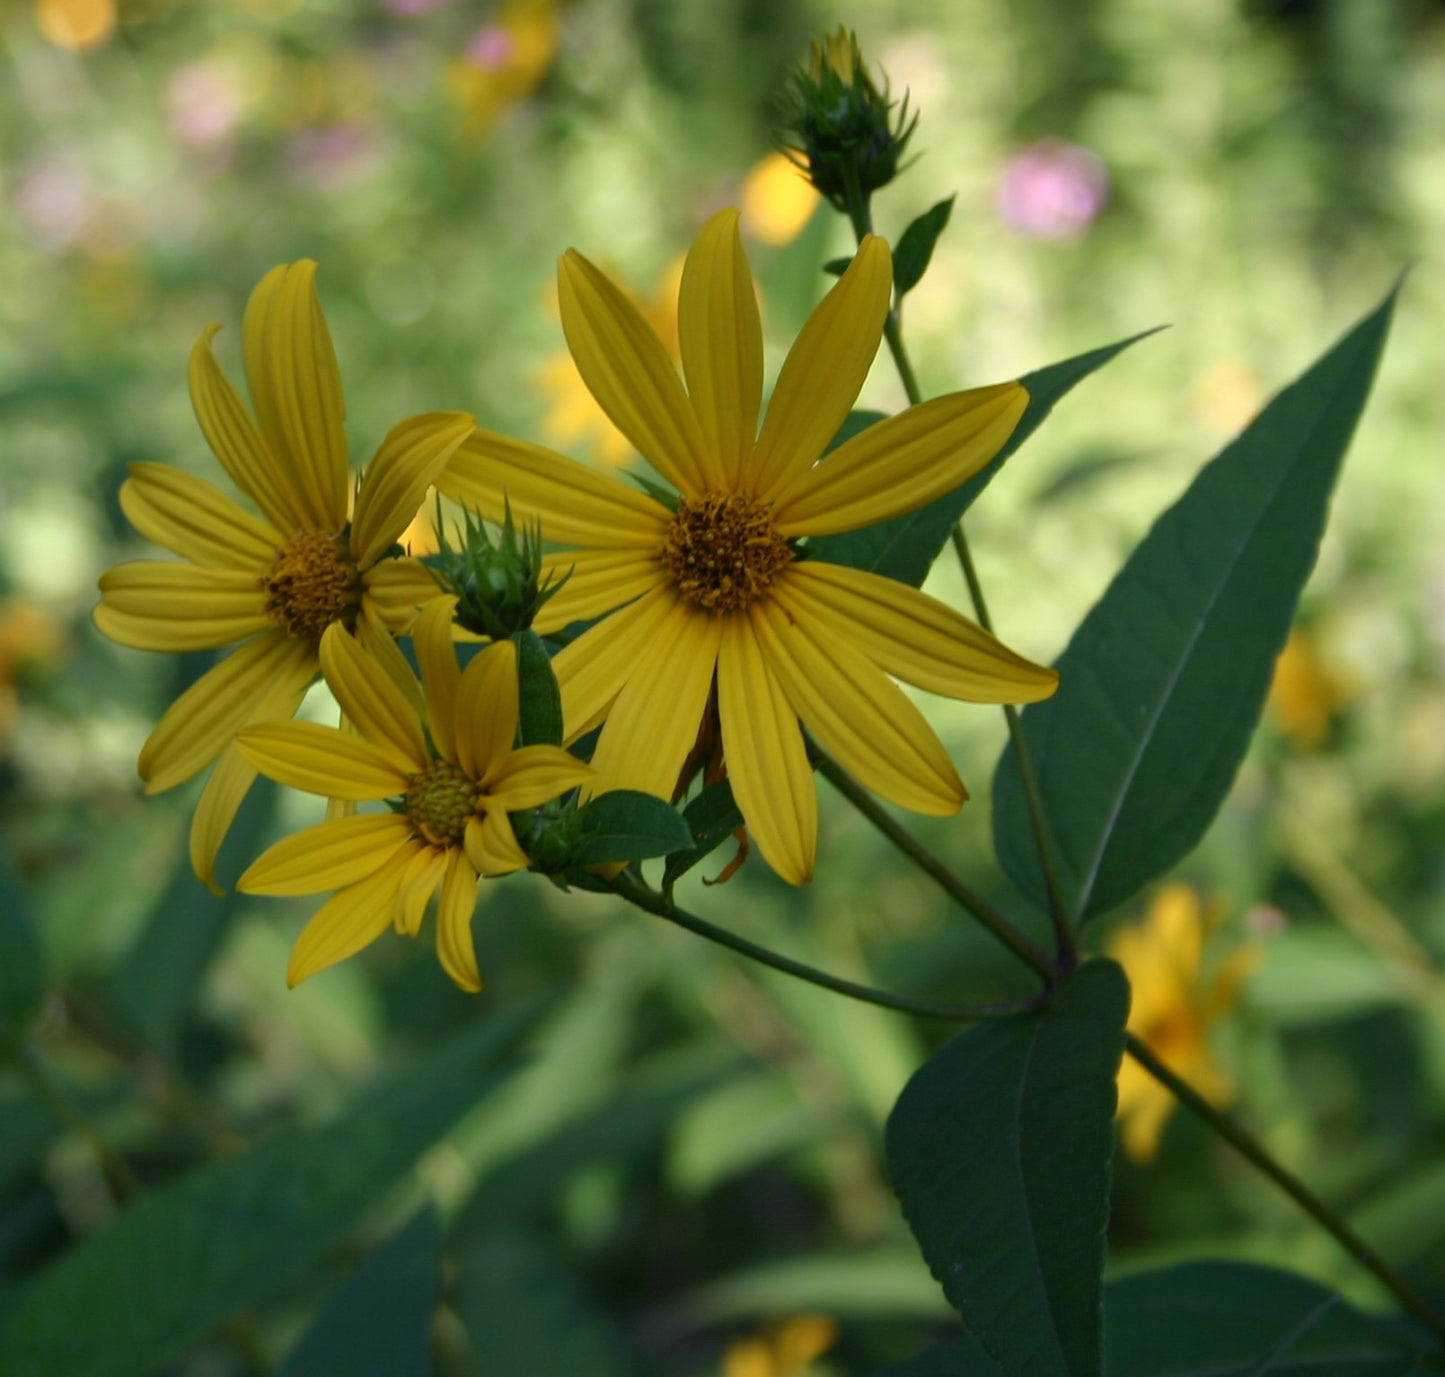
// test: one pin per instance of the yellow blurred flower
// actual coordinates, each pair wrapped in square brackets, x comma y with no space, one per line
[1172,1009]
[573,419]
[442,749]
[75,24]
[777,200]
[781,1350]
[29,640]
[506,60]
[1304,694]
[269,585]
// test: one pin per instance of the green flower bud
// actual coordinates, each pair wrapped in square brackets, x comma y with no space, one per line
[836,125]
[499,585]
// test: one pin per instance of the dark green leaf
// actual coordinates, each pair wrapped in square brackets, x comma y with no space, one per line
[915,247]
[838,266]
[1231,1319]
[1164,680]
[906,547]
[241,1231]
[377,1323]
[712,817]
[526,1315]
[627,825]
[156,983]
[22,963]
[541,699]
[1000,1148]
[962,1358]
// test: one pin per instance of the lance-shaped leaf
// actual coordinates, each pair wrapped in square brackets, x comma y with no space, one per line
[379,1320]
[915,246]
[627,825]
[1164,680]
[1000,1148]
[1233,1319]
[906,547]
[540,700]
[712,817]
[239,1232]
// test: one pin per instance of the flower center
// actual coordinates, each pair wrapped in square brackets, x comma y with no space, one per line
[311,584]
[440,801]
[723,551]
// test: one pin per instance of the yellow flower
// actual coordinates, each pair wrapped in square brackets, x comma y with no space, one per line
[714,598]
[272,583]
[1172,1010]
[30,640]
[573,416]
[781,1350]
[505,61]
[777,200]
[443,749]
[1304,695]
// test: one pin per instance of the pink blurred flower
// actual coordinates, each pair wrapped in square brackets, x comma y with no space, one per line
[407,7]
[203,104]
[335,155]
[1052,190]
[53,200]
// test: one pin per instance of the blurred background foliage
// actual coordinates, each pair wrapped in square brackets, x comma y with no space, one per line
[684,1177]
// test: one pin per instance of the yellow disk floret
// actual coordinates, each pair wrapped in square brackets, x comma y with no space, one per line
[440,801]
[723,551]
[311,584]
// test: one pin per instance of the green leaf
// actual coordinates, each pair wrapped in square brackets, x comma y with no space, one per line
[627,825]
[155,984]
[22,963]
[377,1323]
[526,1315]
[541,699]
[915,247]
[1000,1148]
[239,1232]
[838,266]
[1164,680]
[962,1358]
[1231,1319]
[712,817]
[906,547]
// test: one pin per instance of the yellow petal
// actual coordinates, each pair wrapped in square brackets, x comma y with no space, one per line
[824,372]
[394,590]
[228,785]
[188,516]
[351,919]
[533,775]
[455,948]
[626,367]
[153,605]
[767,762]
[910,635]
[204,720]
[654,722]
[235,441]
[414,452]
[487,711]
[591,671]
[597,582]
[576,505]
[296,389]
[424,873]
[330,855]
[858,714]
[382,713]
[381,645]
[722,348]
[322,760]
[492,846]
[902,463]
[441,676]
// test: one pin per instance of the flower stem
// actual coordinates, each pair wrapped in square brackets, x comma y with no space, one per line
[120,1180]
[935,869]
[1038,823]
[630,887]
[1252,1149]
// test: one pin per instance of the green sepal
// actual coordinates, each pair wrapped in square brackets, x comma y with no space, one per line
[539,699]
[836,267]
[915,247]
